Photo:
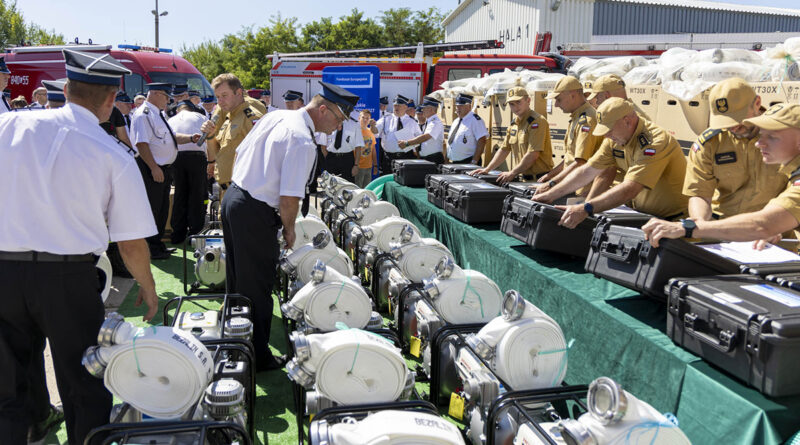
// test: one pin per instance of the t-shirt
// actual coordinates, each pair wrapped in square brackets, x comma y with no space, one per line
[367,153]
[115,121]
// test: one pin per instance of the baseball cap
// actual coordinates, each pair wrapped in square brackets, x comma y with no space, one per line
[609,82]
[778,117]
[566,83]
[516,93]
[609,112]
[730,101]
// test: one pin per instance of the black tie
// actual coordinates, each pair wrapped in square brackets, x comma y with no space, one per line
[453,132]
[337,144]
[128,121]
[5,102]
[171,134]
[399,124]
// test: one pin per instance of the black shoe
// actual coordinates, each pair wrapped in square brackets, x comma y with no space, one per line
[39,430]
[271,363]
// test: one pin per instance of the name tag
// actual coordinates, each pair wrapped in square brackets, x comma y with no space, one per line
[618,153]
[725,158]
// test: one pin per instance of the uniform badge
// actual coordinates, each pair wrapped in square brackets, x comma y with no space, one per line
[722,104]
[464,139]
[248,112]
[695,147]
[534,126]
[618,153]
[643,141]
[729,157]
[649,151]
[347,139]
[146,110]
[585,128]
[512,132]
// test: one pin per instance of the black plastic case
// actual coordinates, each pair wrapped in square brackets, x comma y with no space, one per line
[745,325]
[522,189]
[622,255]
[475,202]
[454,169]
[412,172]
[437,186]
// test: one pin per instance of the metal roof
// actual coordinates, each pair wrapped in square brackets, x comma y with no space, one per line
[717,6]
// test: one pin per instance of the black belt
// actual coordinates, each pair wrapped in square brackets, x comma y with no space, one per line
[45,257]
[248,196]
[339,153]
[192,152]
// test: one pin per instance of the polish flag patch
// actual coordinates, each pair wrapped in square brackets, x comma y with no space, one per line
[695,147]
[796,182]
[649,151]
[534,126]
[585,129]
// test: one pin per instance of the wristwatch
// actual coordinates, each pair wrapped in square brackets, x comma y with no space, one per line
[588,208]
[688,227]
[552,183]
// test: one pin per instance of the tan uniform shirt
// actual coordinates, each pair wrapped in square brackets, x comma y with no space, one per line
[530,132]
[789,199]
[231,129]
[579,142]
[653,159]
[730,172]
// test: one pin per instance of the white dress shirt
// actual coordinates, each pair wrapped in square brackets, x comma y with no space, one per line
[388,128]
[148,127]
[351,138]
[188,122]
[466,137]
[277,157]
[71,188]
[435,128]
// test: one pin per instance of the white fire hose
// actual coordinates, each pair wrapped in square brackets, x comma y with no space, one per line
[330,298]
[417,259]
[389,428]
[354,199]
[160,371]
[106,273]
[349,366]
[305,228]
[615,417]
[334,186]
[462,296]
[525,347]
[300,262]
[382,234]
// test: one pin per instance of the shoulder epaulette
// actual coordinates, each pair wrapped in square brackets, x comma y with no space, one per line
[795,173]
[644,141]
[708,135]
[531,119]
[582,119]
[248,112]
[476,116]
[146,110]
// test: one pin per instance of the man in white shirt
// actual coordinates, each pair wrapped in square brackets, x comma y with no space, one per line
[430,141]
[72,189]
[468,134]
[38,99]
[157,146]
[344,146]
[394,127]
[274,166]
[189,173]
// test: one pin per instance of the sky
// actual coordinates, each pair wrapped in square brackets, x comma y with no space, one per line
[192,22]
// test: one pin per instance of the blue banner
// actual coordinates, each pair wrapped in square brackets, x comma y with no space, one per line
[363,80]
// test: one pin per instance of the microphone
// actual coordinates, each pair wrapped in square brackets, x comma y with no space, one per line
[203,138]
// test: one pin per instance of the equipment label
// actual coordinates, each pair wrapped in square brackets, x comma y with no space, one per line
[782,296]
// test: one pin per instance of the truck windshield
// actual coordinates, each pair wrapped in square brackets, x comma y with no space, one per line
[195,81]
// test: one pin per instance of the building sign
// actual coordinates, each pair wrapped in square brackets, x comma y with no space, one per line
[515,33]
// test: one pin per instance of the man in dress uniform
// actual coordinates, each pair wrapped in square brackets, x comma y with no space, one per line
[579,142]
[50,241]
[209,103]
[235,115]
[293,100]
[38,99]
[726,175]
[55,93]
[468,134]
[779,142]
[387,129]
[651,160]
[432,137]
[266,99]
[157,146]
[528,141]
[383,103]
[271,175]
[411,110]
[124,104]
[194,98]
[5,75]
[189,173]
[343,148]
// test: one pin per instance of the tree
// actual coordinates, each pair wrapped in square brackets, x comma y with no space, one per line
[402,27]
[14,30]
[350,32]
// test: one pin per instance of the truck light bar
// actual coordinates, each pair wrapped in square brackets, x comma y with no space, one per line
[144,48]
[418,50]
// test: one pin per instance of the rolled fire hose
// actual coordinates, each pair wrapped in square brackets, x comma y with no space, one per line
[349,366]
[387,231]
[300,262]
[374,212]
[390,428]
[305,228]
[616,417]
[525,347]
[334,188]
[462,296]
[160,371]
[106,273]
[417,259]
[330,298]
[357,198]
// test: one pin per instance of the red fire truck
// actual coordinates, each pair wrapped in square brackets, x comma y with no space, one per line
[30,65]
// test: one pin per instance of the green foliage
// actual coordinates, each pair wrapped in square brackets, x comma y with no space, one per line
[245,52]
[14,30]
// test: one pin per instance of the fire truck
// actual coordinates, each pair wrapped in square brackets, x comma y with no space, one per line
[412,71]
[30,65]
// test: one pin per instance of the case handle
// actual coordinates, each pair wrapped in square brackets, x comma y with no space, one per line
[724,341]
[619,253]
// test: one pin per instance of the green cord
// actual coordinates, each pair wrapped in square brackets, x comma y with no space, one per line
[139,333]
[358,346]
[464,296]
[563,358]
[340,293]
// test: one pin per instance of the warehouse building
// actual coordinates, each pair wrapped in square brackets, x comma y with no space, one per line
[577,24]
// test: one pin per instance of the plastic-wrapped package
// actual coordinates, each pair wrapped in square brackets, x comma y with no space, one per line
[544,83]
[714,72]
[590,69]
[672,61]
[643,75]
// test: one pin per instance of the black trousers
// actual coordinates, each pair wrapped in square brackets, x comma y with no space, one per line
[341,164]
[387,158]
[312,188]
[437,157]
[467,160]
[158,195]
[250,229]
[59,301]
[38,394]
[188,204]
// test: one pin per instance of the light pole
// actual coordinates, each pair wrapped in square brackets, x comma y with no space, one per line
[157,15]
